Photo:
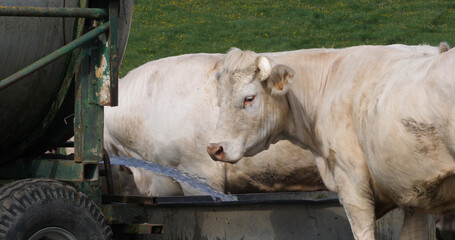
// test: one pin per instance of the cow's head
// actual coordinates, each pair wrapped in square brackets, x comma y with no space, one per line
[253,105]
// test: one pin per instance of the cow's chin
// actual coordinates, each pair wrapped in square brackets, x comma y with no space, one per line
[233,158]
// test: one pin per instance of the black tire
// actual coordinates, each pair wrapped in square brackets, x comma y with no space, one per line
[51,208]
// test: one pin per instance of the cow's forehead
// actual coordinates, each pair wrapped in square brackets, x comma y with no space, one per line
[237,80]
[239,69]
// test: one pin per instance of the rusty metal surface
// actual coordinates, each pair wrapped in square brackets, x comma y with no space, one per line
[89,115]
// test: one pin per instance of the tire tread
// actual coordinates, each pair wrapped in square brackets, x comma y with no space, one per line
[17,197]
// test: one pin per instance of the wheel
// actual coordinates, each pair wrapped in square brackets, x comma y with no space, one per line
[43,209]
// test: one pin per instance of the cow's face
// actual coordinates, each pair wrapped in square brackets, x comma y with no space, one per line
[253,106]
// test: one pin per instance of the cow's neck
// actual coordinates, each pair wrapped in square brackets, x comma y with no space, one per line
[308,88]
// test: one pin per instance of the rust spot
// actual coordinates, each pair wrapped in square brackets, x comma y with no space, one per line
[103,75]
[105,91]
[100,70]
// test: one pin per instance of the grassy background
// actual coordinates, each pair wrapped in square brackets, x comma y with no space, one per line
[165,28]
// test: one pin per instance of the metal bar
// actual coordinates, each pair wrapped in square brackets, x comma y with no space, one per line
[88,113]
[244,199]
[59,169]
[114,63]
[53,56]
[140,200]
[108,173]
[53,12]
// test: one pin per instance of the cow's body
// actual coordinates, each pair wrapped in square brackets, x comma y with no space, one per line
[378,119]
[167,111]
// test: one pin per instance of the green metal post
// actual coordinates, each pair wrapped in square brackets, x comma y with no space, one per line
[88,116]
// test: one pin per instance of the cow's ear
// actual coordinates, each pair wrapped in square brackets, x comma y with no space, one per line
[280,78]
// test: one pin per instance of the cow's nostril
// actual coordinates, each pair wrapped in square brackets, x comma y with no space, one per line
[219,151]
[216,152]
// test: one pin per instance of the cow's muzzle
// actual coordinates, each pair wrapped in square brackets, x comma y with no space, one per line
[216,152]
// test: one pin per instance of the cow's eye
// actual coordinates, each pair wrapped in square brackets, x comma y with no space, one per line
[248,100]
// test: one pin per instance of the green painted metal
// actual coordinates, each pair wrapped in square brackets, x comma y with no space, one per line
[59,169]
[89,114]
[92,189]
[95,13]
[42,117]
[53,56]
[100,91]
[93,81]
[93,64]
[93,91]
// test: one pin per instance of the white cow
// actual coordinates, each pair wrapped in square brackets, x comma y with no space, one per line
[379,120]
[167,111]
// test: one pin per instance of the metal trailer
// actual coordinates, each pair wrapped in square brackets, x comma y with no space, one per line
[59,66]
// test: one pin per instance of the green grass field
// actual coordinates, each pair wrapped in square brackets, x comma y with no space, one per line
[167,28]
